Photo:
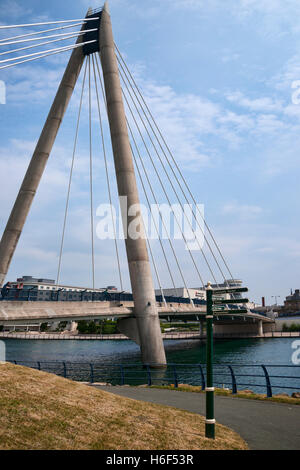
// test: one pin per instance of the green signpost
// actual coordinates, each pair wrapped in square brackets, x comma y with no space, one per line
[210,414]
[216,304]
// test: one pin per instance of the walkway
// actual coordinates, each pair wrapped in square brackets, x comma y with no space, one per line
[72,336]
[263,425]
[167,336]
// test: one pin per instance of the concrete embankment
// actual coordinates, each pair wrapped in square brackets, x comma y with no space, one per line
[72,337]
[288,321]
[119,337]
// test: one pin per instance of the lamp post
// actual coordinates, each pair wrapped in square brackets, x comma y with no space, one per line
[210,418]
[275,296]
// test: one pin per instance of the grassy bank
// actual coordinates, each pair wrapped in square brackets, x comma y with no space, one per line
[43,411]
[242,394]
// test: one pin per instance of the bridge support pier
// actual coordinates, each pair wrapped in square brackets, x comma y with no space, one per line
[129,328]
[260,328]
[54,326]
[73,327]
[145,309]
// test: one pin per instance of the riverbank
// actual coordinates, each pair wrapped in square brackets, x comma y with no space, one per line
[89,337]
[244,355]
[119,337]
[40,411]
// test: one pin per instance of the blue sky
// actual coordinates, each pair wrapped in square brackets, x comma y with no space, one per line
[218,77]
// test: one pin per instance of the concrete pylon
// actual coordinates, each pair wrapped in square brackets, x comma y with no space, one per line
[260,328]
[146,313]
[39,160]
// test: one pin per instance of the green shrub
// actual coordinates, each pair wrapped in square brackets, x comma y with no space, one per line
[62,325]
[82,326]
[291,328]
[104,327]
[92,328]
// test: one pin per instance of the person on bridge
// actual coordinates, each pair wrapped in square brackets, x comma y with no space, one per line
[5,290]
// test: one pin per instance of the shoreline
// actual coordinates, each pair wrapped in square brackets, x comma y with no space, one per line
[119,337]
[89,337]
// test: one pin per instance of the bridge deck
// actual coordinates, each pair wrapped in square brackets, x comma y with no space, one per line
[11,311]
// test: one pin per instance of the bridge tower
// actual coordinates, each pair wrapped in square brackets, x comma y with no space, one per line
[144,328]
[146,314]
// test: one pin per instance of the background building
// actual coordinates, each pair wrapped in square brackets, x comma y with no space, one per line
[292,302]
[41,289]
[199,292]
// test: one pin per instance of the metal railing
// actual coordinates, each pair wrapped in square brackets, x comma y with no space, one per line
[89,336]
[118,337]
[61,295]
[234,377]
[270,334]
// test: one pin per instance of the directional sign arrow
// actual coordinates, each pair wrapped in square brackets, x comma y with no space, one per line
[230,301]
[230,290]
[242,310]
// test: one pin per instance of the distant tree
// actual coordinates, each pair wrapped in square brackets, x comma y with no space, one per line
[62,325]
[82,326]
[92,327]
[291,328]
[44,327]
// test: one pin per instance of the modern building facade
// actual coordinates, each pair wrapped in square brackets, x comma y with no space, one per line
[292,302]
[41,289]
[199,292]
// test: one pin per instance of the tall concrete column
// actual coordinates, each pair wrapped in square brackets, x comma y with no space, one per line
[145,309]
[260,328]
[38,162]
[73,327]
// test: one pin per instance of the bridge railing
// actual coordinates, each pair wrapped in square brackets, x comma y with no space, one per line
[33,294]
[259,378]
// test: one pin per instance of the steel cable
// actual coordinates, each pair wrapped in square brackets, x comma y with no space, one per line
[70,178]
[176,165]
[107,175]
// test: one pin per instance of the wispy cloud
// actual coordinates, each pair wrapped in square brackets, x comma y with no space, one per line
[242,211]
[262,104]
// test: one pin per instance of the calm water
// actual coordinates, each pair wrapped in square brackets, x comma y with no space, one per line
[245,356]
[247,351]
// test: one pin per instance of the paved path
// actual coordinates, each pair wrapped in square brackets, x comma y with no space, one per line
[263,425]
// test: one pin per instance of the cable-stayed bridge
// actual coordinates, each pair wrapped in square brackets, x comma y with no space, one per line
[139,149]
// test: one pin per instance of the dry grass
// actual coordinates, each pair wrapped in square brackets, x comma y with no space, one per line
[43,411]
[242,394]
